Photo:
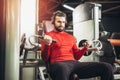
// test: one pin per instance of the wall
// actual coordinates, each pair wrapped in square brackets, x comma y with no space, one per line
[111,23]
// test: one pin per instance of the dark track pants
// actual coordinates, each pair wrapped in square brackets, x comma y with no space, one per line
[64,69]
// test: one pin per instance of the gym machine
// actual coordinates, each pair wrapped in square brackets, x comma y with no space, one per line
[86,19]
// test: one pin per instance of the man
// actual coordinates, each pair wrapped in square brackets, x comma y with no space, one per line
[63,55]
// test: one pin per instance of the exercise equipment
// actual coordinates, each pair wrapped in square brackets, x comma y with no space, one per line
[95,43]
[38,38]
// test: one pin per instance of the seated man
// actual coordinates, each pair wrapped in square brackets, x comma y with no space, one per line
[63,55]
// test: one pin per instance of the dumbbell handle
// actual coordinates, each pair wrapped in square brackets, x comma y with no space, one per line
[42,37]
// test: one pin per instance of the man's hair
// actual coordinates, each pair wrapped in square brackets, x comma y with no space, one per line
[58,13]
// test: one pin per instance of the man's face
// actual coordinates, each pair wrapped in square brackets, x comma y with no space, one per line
[59,23]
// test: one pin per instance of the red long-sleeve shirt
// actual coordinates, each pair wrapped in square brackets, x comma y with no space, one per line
[65,48]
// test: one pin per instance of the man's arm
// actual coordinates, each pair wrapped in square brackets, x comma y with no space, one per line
[45,51]
[78,53]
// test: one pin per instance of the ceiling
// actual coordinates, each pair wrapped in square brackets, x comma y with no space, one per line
[47,7]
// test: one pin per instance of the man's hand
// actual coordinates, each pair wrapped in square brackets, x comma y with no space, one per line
[88,44]
[47,39]
[93,49]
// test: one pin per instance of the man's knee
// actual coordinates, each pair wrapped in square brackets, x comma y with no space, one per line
[107,67]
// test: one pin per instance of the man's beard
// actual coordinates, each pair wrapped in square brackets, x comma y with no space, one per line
[59,30]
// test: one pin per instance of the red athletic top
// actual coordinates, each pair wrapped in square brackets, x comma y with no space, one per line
[65,48]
